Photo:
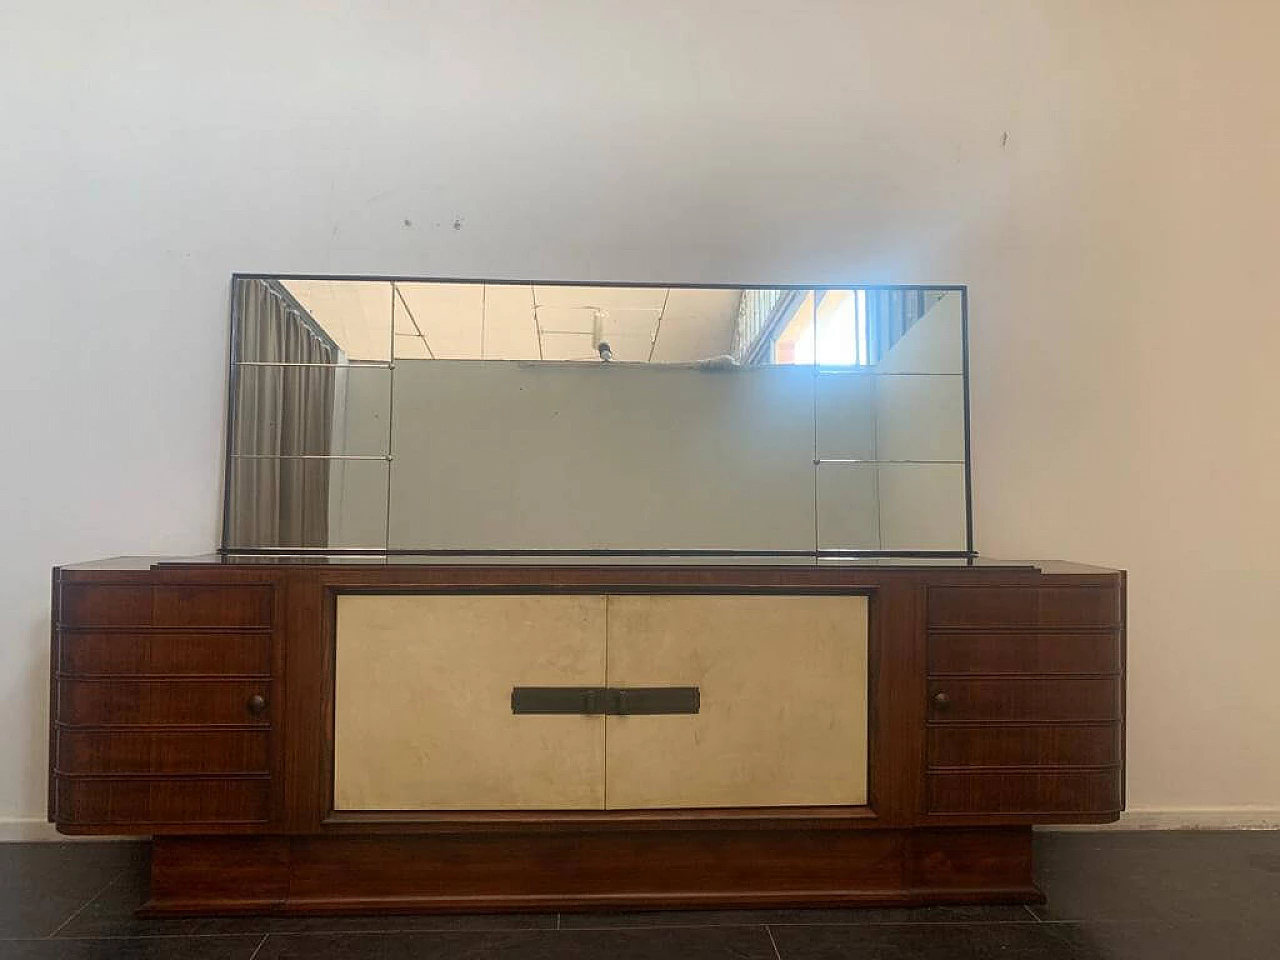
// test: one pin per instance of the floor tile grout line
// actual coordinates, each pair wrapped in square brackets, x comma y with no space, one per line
[331,932]
[258,948]
[130,938]
[774,943]
[668,926]
[120,874]
[746,922]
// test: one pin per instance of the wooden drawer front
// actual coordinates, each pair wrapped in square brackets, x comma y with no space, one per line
[1046,745]
[982,606]
[104,605]
[126,654]
[110,702]
[145,801]
[247,605]
[1014,653]
[1030,792]
[1079,607]
[162,751]
[167,605]
[1023,606]
[1043,700]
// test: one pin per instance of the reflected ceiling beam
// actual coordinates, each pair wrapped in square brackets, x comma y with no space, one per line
[657,330]
[533,298]
[421,336]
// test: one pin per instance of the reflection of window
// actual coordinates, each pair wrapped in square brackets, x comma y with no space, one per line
[841,328]
[832,331]
[792,339]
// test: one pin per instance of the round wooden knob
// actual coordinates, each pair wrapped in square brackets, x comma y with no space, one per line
[942,700]
[257,705]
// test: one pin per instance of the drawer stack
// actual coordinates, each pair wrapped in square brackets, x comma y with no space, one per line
[162,703]
[1025,699]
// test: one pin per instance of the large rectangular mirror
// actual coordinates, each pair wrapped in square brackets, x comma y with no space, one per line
[418,416]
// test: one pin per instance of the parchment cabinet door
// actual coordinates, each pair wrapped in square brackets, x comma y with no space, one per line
[783,713]
[423,716]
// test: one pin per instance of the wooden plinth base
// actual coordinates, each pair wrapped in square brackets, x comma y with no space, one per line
[617,869]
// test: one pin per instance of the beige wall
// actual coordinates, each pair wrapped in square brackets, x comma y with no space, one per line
[1104,175]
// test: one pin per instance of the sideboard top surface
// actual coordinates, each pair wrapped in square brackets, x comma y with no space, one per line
[385,561]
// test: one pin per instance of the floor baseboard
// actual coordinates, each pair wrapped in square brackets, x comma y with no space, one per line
[1186,818]
[32,830]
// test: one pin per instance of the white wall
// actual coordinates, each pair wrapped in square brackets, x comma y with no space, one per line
[1104,175]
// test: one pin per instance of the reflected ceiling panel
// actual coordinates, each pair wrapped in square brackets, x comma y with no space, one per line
[510,331]
[696,324]
[494,321]
[447,319]
[355,313]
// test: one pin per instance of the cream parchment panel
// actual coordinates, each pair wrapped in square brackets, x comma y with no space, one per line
[783,715]
[423,715]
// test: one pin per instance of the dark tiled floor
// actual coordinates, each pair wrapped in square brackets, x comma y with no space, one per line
[1112,896]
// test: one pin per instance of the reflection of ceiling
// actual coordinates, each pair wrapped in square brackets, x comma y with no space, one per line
[465,321]
[356,313]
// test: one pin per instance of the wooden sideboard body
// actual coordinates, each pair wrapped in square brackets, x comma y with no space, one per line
[194,701]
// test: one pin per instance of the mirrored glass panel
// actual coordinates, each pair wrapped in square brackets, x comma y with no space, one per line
[565,456]
[891,423]
[428,416]
[891,507]
[313,410]
[294,503]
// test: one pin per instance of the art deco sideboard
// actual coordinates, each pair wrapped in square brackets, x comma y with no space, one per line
[368,735]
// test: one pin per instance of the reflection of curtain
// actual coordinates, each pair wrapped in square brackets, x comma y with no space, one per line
[280,411]
[754,310]
[761,316]
[891,313]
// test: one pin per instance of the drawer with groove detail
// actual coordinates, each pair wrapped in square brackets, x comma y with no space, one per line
[1019,606]
[1032,745]
[1028,652]
[188,702]
[1028,792]
[162,751]
[141,800]
[165,605]
[1026,699]
[135,654]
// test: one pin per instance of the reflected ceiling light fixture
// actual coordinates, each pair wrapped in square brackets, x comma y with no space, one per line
[599,316]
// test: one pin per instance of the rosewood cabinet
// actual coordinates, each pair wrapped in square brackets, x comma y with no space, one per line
[464,735]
